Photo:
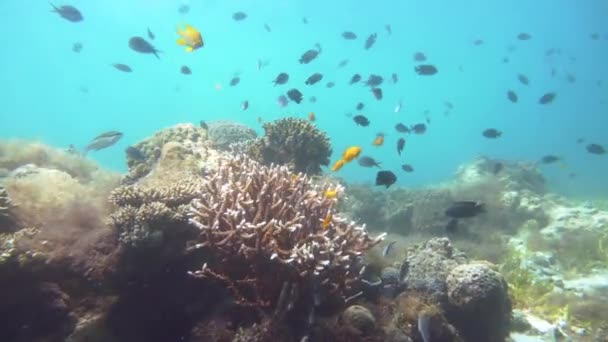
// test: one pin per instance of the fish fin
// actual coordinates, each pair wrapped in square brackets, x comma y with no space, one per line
[189,49]
[181,41]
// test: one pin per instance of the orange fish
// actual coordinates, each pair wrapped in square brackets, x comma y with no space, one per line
[326,222]
[351,153]
[379,140]
[311,116]
[338,165]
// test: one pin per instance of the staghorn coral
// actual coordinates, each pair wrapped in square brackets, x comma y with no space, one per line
[266,227]
[293,142]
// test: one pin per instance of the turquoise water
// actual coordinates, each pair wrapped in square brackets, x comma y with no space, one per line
[43,79]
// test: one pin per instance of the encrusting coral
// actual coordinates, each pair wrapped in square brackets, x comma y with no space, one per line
[268,229]
[293,142]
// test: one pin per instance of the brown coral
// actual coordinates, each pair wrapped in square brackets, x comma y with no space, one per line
[265,227]
[223,134]
[293,142]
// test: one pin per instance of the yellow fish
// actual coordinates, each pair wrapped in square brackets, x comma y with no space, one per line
[351,153]
[338,165]
[190,37]
[327,221]
[331,193]
[379,140]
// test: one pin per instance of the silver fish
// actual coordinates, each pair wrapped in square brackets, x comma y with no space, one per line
[103,140]
[398,106]
[387,248]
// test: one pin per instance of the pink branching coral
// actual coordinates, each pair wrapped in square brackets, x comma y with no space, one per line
[265,227]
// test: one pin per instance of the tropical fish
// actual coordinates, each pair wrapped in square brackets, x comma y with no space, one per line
[245,105]
[361,120]
[374,80]
[385,178]
[426,69]
[348,35]
[295,95]
[311,116]
[139,44]
[351,153]
[122,67]
[524,36]
[492,133]
[314,78]
[355,79]
[77,47]
[371,40]
[330,193]
[190,38]
[379,140]
[387,249]
[103,140]
[377,92]
[69,13]
[338,165]
[595,149]
[546,98]
[310,55]
[366,161]
[512,96]
[400,145]
[238,16]
[185,70]
[464,209]
[135,153]
[282,101]
[326,221]
[407,168]
[281,79]
[151,34]
[419,57]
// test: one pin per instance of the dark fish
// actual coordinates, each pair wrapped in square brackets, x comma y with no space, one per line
[295,95]
[371,40]
[183,9]
[407,168]
[401,128]
[203,125]
[512,96]
[505,60]
[245,105]
[464,209]
[185,70]
[313,99]
[570,78]
[77,47]
[492,133]
[304,20]
[388,29]
[400,145]
[385,178]
[448,105]
[361,120]
[69,13]
[523,79]
[150,34]
[524,36]
[355,79]
[267,28]
[426,69]
[394,78]
[135,153]
[103,140]
[366,161]
[139,44]
[374,80]
[498,166]
[309,56]
[314,78]
[419,57]
[547,98]
[377,92]
[452,226]
[348,35]
[343,63]
[281,79]
[419,128]
[580,140]
[595,36]
[387,249]
[595,149]
[549,159]
[360,106]
[330,84]
[122,67]
[238,16]
[234,81]
[282,101]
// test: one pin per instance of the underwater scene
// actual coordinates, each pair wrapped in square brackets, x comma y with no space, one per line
[287,170]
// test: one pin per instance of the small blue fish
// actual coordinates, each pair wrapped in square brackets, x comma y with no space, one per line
[424,326]
[387,248]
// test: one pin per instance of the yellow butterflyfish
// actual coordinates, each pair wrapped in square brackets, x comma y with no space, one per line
[190,38]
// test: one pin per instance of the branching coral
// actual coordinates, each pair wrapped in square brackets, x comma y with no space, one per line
[293,142]
[265,226]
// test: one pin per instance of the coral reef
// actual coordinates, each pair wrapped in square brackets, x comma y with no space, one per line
[294,142]
[223,134]
[7,219]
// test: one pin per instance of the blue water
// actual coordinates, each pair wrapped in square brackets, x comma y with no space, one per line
[43,79]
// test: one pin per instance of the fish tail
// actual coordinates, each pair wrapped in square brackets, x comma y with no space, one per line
[55,9]
[155,52]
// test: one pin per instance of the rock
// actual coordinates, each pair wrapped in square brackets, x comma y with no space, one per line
[519,322]
[396,335]
[359,317]
[222,134]
[479,298]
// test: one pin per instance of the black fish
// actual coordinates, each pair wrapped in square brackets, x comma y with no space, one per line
[523,79]
[389,29]
[371,40]
[314,78]
[348,35]
[103,140]
[122,67]
[69,13]
[377,92]
[478,42]
[204,125]
[150,34]
[361,120]
[356,78]
[419,57]
[498,166]
[366,161]
[374,80]
[395,78]
[343,63]
[547,98]
[234,81]
[407,168]
[185,70]
[360,106]
[401,128]
[452,226]
[595,149]
[313,99]
[426,69]
[244,105]
[267,28]
[492,133]
[330,84]
[77,47]
[295,95]
[464,209]
[135,153]
[309,56]
[281,79]
[183,9]
[139,44]
[524,36]
[549,159]
[419,128]
[385,178]
[238,16]
[400,145]
[512,96]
